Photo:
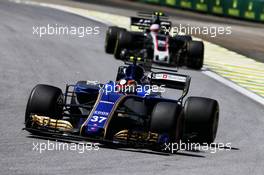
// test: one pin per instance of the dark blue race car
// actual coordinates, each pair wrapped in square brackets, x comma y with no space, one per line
[129,111]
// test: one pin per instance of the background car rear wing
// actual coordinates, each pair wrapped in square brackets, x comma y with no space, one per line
[171,80]
[161,15]
[145,19]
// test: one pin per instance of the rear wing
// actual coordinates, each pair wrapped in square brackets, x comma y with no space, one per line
[161,15]
[169,79]
[172,80]
[145,19]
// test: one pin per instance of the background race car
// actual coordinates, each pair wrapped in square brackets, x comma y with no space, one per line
[153,35]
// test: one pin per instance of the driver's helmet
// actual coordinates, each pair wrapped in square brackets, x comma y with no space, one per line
[127,86]
[155,28]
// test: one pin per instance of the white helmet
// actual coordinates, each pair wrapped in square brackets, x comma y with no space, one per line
[154,28]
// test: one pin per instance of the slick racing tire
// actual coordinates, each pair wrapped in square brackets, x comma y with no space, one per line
[201,119]
[166,119]
[195,55]
[124,39]
[44,100]
[111,37]
[179,43]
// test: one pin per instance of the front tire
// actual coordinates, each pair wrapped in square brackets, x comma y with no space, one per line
[44,100]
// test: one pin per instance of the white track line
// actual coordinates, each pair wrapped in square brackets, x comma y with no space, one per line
[234,86]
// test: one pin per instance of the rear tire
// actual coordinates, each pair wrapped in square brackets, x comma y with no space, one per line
[44,100]
[165,120]
[111,37]
[195,54]
[201,119]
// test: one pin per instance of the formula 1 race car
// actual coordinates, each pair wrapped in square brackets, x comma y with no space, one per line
[128,112]
[154,36]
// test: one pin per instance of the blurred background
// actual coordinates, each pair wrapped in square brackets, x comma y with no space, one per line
[252,10]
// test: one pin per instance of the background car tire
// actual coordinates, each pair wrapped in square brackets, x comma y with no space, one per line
[164,120]
[124,39]
[44,100]
[178,44]
[195,54]
[111,37]
[201,118]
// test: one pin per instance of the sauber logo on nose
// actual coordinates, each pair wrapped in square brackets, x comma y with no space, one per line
[101,113]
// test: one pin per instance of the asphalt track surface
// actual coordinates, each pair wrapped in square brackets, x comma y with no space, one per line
[26,60]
